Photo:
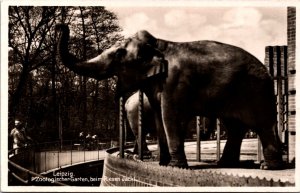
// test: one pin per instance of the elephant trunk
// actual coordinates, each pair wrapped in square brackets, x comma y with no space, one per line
[95,68]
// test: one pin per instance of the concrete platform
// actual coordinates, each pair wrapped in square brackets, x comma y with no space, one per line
[248,152]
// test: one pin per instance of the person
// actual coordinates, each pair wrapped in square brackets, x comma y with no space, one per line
[88,139]
[95,141]
[18,133]
[81,138]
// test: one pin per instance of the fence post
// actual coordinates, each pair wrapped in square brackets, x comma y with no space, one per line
[84,150]
[218,140]
[198,124]
[121,127]
[98,147]
[259,152]
[71,152]
[34,160]
[28,178]
[58,158]
[45,161]
[140,124]
[279,79]
[286,101]
[276,60]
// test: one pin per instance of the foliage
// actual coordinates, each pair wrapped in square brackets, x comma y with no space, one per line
[45,94]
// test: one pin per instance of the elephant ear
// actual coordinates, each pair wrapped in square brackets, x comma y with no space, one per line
[158,67]
[155,64]
[151,70]
[151,65]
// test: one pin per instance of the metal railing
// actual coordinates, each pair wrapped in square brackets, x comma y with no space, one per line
[29,162]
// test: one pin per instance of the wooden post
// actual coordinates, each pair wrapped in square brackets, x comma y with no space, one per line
[198,124]
[140,125]
[60,130]
[218,141]
[286,101]
[279,91]
[259,152]
[121,127]
[71,151]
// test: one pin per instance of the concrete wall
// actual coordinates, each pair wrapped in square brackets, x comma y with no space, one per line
[127,172]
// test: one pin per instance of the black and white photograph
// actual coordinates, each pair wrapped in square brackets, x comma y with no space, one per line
[188,96]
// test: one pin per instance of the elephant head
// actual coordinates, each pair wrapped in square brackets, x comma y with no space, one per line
[133,61]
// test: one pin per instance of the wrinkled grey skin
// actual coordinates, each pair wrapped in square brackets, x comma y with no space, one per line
[205,78]
[132,113]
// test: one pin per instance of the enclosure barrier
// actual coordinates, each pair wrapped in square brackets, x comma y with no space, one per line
[127,172]
[28,162]
[25,176]
[276,62]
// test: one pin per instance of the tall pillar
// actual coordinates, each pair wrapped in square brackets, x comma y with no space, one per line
[291,40]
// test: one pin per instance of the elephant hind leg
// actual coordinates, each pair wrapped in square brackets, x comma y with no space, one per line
[231,153]
[271,148]
[145,149]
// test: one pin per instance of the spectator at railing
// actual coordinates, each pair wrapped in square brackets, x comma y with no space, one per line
[20,138]
[95,142]
[81,138]
[88,140]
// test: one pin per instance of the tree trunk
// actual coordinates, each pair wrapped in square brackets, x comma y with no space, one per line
[16,97]
[84,79]
[55,104]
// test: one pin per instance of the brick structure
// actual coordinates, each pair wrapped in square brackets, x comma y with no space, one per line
[291,40]
[274,54]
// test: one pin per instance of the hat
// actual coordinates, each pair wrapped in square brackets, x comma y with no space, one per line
[17,122]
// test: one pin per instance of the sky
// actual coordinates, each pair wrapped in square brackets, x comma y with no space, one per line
[251,28]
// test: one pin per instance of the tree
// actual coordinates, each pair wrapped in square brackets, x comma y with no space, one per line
[40,89]
[28,29]
[93,29]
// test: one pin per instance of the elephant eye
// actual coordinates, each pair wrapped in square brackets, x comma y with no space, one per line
[120,53]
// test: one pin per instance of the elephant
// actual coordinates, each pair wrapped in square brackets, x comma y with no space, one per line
[149,127]
[185,79]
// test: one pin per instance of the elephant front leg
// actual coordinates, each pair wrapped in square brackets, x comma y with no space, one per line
[176,149]
[174,125]
[164,155]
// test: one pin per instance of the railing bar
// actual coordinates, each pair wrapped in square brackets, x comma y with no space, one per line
[198,148]
[19,178]
[17,166]
[29,172]
[140,125]
[71,155]
[45,161]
